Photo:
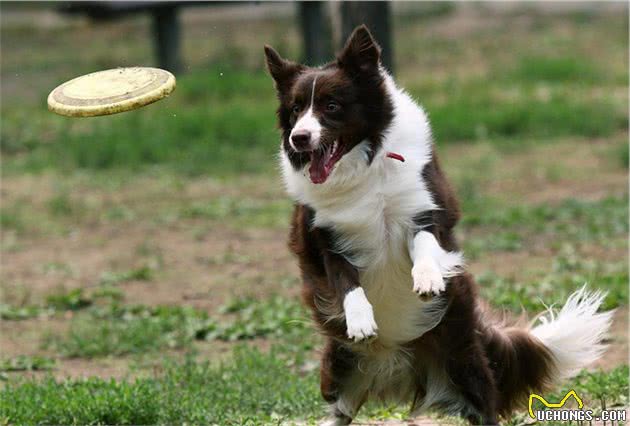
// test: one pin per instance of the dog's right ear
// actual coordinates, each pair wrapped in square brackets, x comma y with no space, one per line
[361,53]
[282,71]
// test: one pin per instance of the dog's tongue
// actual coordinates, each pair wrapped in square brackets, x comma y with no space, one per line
[321,166]
[319,171]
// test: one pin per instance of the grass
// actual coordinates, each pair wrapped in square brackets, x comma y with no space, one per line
[116,330]
[573,218]
[239,130]
[254,388]
[143,273]
[27,363]
[536,294]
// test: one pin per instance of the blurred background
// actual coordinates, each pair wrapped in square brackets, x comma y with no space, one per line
[146,251]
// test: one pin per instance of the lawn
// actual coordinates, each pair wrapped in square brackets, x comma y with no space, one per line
[144,272]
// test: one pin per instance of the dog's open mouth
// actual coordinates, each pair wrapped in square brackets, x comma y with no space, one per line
[323,161]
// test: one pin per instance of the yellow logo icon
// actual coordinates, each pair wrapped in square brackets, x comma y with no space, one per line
[560,404]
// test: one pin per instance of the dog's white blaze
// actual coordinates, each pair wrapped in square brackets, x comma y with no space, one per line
[309,122]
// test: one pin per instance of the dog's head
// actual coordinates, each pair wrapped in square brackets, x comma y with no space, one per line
[327,111]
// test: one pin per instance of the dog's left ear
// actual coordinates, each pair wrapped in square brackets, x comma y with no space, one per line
[282,70]
[361,53]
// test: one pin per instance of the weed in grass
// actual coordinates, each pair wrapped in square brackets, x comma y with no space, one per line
[15,313]
[10,220]
[276,317]
[118,213]
[143,273]
[108,292]
[72,300]
[27,363]
[61,205]
[129,329]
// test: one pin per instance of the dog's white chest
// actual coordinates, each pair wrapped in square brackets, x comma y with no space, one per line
[374,235]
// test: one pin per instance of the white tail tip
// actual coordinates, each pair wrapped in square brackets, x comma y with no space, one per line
[575,335]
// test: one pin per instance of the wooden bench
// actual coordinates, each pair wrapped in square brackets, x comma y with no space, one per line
[315,28]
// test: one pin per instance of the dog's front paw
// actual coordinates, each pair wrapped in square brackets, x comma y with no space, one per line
[360,322]
[361,325]
[427,278]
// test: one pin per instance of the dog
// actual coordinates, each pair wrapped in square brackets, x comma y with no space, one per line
[372,230]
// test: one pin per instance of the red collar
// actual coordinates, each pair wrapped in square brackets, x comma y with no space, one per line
[395,156]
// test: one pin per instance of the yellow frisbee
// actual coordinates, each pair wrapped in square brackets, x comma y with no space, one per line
[111,91]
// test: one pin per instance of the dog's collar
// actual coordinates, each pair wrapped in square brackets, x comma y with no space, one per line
[395,156]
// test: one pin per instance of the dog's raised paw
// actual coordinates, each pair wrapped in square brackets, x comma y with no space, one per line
[427,278]
[361,324]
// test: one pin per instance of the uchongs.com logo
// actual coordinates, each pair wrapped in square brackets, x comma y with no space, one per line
[570,415]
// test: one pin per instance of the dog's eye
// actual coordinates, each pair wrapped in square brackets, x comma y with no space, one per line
[332,106]
[295,109]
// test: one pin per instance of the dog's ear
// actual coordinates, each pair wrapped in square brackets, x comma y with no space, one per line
[282,71]
[361,53]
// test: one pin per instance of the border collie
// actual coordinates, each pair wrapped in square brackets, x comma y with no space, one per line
[373,233]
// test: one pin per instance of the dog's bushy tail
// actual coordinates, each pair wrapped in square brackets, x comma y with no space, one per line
[531,359]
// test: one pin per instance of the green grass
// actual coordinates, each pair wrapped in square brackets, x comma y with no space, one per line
[468,115]
[218,125]
[574,219]
[14,313]
[252,388]
[567,275]
[72,300]
[556,69]
[116,330]
[240,211]
[143,273]
[26,363]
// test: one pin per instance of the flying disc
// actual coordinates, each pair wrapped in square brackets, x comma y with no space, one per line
[111,91]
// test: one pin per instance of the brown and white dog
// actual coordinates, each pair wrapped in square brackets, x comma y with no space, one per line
[373,233]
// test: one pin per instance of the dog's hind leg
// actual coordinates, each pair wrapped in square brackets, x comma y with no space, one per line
[343,386]
[466,362]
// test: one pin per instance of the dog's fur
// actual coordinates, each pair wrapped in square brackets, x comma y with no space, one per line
[381,268]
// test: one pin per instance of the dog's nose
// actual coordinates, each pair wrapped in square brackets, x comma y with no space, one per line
[301,139]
